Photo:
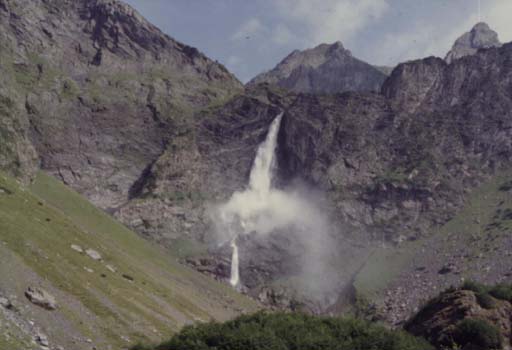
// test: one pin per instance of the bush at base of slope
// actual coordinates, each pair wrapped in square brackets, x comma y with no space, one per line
[500,291]
[282,331]
[479,333]
[475,316]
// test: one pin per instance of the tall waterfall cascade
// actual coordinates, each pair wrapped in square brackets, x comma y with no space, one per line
[262,210]
[244,212]
[235,270]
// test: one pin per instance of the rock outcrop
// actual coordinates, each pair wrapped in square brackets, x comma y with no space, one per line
[481,36]
[99,91]
[323,69]
[439,321]
[41,297]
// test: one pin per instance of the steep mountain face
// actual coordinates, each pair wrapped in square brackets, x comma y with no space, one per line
[323,69]
[200,169]
[100,90]
[411,153]
[401,165]
[481,36]
[394,167]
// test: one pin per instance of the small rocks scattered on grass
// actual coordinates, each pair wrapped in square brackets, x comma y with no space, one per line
[77,248]
[111,268]
[6,303]
[128,277]
[41,297]
[93,254]
[88,269]
[42,339]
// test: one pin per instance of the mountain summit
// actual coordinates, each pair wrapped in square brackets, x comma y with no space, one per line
[327,68]
[481,36]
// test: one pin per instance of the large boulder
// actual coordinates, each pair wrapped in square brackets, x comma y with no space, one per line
[41,297]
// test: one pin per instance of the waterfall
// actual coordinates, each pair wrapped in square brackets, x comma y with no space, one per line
[261,172]
[235,273]
[261,209]
[242,213]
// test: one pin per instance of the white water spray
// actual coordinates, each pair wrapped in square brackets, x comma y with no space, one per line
[235,273]
[262,209]
[240,214]
[261,172]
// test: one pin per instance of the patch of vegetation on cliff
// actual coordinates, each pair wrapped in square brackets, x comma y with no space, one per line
[281,331]
[479,333]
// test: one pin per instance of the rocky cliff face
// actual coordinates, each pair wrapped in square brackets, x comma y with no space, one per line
[481,36]
[323,69]
[393,166]
[101,91]
[435,132]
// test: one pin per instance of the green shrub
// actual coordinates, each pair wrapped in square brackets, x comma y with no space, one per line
[483,292]
[283,331]
[476,287]
[502,292]
[478,334]
[485,300]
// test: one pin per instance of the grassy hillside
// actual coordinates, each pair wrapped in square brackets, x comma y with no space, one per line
[465,248]
[148,297]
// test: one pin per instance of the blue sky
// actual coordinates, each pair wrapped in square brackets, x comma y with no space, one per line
[251,36]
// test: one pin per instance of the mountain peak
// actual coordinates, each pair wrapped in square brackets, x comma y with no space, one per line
[329,50]
[326,68]
[481,26]
[481,36]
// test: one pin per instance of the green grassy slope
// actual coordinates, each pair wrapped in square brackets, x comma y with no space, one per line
[149,296]
[473,239]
